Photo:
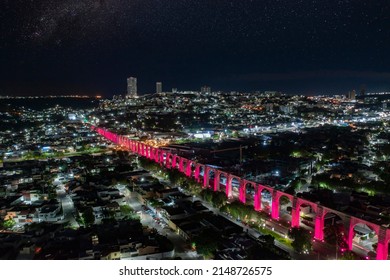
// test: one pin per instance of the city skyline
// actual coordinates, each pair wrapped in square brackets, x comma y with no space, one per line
[277,176]
[210,130]
[89,47]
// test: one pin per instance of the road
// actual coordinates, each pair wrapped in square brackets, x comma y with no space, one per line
[254,233]
[321,250]
[67,206]
[182,247]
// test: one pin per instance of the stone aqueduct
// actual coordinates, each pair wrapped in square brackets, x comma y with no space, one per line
[197,170]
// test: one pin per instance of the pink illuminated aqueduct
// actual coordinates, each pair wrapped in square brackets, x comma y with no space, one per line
[201,173]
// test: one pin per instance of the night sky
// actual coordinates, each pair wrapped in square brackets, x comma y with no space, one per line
[92,46]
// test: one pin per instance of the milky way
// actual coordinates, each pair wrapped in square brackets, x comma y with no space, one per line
[211,40]
[43,21]
[93,19]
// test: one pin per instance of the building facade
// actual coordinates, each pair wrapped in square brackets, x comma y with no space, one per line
[131,87]
[158,87]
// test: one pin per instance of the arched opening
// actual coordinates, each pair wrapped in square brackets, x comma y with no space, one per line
[164,158]
[186,169]
[146,150]
[285,208]
[201,173]
[158,156]
[169,160]
[176,162]
[307,216]
[211,174]
[266,200]
[192,169]
[222,182]
[184,164]
[335,232]
[142,149]
[364,240]
[235,183]
[249,192]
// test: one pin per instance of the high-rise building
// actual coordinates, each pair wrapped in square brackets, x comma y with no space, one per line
[174,90]
[205,89]
[131,87]
[351,95]
[158,87]
[362,90]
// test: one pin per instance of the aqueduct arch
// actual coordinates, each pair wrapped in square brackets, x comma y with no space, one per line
[303,206]
[233,185]
[208,176]
[247,190]
[350,223]
[364,227]
[223,180]
[285,204]
[176,162]
[169,160]
[265,198]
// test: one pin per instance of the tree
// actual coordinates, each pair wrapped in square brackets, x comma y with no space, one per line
[296,184]
[149,164]
[205,194]
[349,255]
[64,167]
[267,240]
[164,243]
[176,177]
[334,234]
[284,200]
[155,203]
[302,240]
[206,243]
[126,210]
[88,216]
[7,224]
[240,211]
[218,199]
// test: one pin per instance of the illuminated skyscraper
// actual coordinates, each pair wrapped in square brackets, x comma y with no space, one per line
[352,95]
[205,89]
[131,87]
[158,87]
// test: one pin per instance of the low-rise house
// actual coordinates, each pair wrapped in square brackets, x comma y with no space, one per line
[50,213]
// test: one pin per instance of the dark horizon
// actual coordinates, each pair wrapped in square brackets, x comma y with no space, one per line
[90,47]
